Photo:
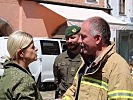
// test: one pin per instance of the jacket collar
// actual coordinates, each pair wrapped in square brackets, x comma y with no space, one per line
[96,64]
[9,64]
[105,54]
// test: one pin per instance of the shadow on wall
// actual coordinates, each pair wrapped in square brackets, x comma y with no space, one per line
[44,20]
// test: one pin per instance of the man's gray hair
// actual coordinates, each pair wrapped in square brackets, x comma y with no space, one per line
[99,25]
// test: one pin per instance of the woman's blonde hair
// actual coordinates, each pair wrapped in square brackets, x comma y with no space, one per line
[18,40]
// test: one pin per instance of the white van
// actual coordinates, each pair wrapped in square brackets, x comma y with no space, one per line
[3,49]
[48,49]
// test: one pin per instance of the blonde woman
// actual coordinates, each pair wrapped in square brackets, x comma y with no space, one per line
[17,82]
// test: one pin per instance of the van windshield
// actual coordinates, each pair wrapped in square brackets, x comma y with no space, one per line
[50,47]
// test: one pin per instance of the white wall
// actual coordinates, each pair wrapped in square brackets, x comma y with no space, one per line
[128,12]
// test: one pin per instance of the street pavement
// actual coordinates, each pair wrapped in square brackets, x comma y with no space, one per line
[48,95]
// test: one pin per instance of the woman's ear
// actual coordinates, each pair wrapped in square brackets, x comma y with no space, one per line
[98,38]
[20,53]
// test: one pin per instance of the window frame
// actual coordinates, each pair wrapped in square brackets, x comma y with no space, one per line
[121,7]
[49,50]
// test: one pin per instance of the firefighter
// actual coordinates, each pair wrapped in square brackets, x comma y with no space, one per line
[108,76]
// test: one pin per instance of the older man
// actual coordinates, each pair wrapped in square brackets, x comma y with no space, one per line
[108,76]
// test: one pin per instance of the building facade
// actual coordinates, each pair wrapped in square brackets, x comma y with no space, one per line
[92,4]
[29,16]
[123,10]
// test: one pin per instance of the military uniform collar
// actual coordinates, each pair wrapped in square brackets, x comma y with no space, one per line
[9,64]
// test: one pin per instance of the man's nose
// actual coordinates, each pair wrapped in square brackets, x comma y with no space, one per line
[69,40]
[80,40]
[81,44]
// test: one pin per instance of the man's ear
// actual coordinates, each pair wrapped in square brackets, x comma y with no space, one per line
[20,53]
[98,38]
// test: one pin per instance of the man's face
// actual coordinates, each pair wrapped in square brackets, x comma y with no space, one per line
[72,42]
[87,41]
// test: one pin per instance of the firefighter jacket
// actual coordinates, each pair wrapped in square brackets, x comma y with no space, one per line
[17,84]
[65,67]
[107,78]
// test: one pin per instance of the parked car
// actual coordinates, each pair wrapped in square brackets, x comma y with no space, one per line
[42,69]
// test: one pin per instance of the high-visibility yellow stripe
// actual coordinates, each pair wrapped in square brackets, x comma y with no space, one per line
[95,82]
[120,94]
[66,98]
[122,91]
[95,85]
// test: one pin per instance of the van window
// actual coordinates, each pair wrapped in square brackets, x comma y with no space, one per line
[50,47]
[63,45]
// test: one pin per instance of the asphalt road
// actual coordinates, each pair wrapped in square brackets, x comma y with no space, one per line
[48,95]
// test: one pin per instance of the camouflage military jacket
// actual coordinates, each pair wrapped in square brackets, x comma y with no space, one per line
[17,84]
[65,68]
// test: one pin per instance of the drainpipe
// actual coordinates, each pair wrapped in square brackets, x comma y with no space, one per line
[108,5]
